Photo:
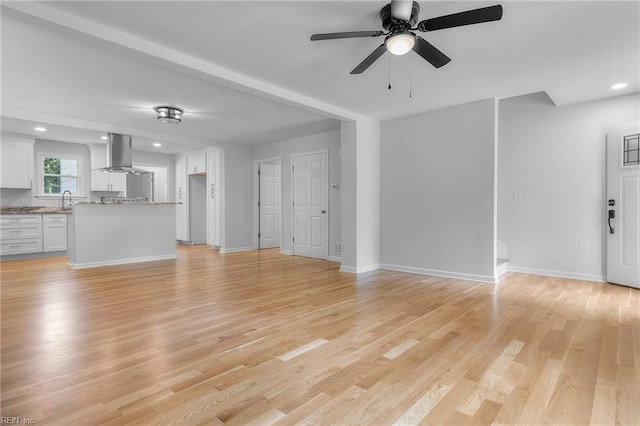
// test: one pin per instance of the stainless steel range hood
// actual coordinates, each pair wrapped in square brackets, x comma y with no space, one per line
[119,155]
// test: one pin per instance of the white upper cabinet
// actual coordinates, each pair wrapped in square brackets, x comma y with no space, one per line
[108,182]
[16,160]
[197,163]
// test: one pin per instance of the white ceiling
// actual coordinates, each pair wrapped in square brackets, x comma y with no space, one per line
[263,80]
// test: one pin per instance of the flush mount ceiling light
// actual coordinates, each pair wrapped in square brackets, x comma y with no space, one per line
[104,138]
[157,144]
[400,43]
[40,129]
[169,114]
[619,86]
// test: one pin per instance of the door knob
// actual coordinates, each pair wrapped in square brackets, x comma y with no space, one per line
[611,215]
[323,211]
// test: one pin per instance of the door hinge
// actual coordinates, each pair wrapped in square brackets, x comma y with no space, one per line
[293,203]
[258,235]
[258,203]
[293,168]
[294,239]
[258,172]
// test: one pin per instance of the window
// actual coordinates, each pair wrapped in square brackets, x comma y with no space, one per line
[59,173]
[631,150]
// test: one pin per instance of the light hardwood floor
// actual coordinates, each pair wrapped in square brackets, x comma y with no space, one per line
[261,338]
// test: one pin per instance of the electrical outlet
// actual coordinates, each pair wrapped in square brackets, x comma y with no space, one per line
[583,248]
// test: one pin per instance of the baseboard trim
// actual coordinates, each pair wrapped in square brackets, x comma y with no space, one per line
[120,261]
[235,250]
[444,274]
[558,274]
[359,269]
[286,252]
[334,258]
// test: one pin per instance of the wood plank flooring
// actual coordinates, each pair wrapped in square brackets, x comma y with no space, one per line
[261,338]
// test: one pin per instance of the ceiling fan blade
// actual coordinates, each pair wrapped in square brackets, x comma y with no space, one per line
[369,60]
[429,52]
[475,16]
[348,34]
[401,9]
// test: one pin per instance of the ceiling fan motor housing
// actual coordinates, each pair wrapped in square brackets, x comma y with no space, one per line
[391,24]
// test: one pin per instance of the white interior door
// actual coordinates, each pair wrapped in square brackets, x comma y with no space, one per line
[270,205]
[310,205]
[623,210]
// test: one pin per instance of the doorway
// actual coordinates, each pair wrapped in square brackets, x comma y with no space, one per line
[269,175]
[310,195]
[623,205]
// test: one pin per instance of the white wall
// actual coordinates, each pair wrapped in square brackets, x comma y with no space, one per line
[367,195]
[437,192]
[285,149]
[348,160]
[236,217]
[556,157]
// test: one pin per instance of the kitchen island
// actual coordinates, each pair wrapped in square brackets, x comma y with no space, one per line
[114,233]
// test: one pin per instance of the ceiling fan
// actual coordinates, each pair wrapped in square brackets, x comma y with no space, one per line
[399,18]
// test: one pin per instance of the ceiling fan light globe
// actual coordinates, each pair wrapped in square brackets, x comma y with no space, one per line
[400,44]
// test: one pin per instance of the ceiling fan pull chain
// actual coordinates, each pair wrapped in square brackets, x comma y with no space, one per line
[410,75]
[389,56]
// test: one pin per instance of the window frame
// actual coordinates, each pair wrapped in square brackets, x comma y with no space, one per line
[41,174]
[623,138]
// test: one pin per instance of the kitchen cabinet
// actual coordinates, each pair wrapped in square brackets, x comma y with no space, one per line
[105,181]
[214,198]
[20,234]
[54,232]
[197,163]
[202,163]
[16,164]
[182,212]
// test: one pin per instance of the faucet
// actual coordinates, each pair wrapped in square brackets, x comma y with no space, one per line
[63,208]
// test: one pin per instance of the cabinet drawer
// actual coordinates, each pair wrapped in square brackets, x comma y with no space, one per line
[20,219]
[20,246]
[20,232]
[54,218]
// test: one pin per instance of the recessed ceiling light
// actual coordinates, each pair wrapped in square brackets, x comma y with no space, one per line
[619,86]
[104,138]
[157,144]
[40,129]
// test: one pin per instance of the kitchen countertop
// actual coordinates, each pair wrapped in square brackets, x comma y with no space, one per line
[34,210]
[127,203]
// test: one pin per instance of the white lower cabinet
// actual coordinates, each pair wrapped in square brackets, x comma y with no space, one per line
[54,232]
[32,233]
[20,234]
